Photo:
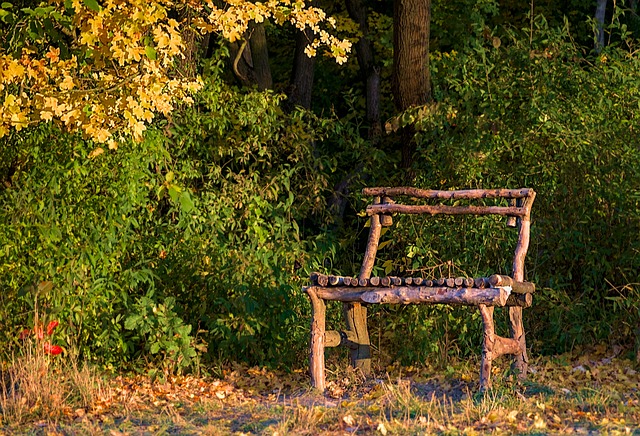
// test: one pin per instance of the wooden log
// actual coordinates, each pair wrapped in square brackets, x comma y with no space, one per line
[316,354]
[319,279]
[336,280]
[505,346]
[447,195]
[511,220]
[385,281]
[427,283]
[386,220]
[354,281]
[422,294]
[408,281]
[481,282]
[519,300]
[488,342]
[521,361]
[459,281]
[379,209]
[335,338]
[363,281]
[346,281]
[450,282]
[516,287]
[374,281]
[396,281]
[439,282]
[332,338]
[468,282]
[414,294]
[354,313]
[417,281]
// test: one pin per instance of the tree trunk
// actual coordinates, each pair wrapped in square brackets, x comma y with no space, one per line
[370,72]
[251,59]
[411,77]
[600,13]
[301,85]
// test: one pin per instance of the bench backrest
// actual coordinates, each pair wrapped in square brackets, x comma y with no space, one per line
[384,204]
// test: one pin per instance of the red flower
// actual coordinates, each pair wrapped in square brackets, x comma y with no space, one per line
[52,349]
[51,327]
[24,334]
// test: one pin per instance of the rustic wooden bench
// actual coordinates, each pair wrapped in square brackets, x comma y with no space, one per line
[485,292]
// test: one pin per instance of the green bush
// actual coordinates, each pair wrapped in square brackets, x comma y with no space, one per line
[157,249]
[537,111]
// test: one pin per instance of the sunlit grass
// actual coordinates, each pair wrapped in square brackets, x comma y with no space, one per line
[593,392]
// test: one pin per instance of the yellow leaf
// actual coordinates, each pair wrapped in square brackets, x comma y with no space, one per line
[97,152]
[384,244]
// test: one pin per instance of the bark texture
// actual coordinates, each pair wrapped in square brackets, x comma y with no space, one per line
[411,77]
[301,84]
[251,59]
[369,71]
[521,360]
[316,356]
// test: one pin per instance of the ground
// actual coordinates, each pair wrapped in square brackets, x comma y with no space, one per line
[586,392]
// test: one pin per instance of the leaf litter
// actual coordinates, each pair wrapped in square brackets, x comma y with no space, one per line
[595,391]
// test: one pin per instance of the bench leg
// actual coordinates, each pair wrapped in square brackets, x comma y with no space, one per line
[356,319]
[520,360]
[318,327]
[488,343]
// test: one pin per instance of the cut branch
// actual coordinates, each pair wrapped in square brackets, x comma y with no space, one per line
[376,209]
[448,195]
[517,287]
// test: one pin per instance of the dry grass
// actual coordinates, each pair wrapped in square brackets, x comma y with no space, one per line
[35,386]
[594,392]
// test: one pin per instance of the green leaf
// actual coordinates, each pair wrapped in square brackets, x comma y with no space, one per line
[151,52]
[131,322]
[185,202]
[6,5]
[92,4]
[155,348]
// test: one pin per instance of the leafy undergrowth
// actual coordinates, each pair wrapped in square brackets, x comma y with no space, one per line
[595,392]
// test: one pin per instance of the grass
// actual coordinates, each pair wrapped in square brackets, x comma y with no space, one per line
[592,392]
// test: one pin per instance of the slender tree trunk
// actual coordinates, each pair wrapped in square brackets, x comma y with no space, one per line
[411,77]
[250,59]
[301,85]
[370,72]
[600,13]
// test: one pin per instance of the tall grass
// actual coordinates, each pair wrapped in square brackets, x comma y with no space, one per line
[36,386]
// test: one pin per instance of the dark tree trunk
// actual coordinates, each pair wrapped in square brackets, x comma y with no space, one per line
[369,70]
[411,77]
[301,85]
[251,59]
[600,13]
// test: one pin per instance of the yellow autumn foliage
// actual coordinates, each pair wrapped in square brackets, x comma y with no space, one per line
[121,73]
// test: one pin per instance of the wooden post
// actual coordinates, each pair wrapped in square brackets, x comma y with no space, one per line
[356,313]
[488,342]
[521,360]
[316,356]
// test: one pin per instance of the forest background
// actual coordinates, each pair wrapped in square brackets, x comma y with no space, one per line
[165,199]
